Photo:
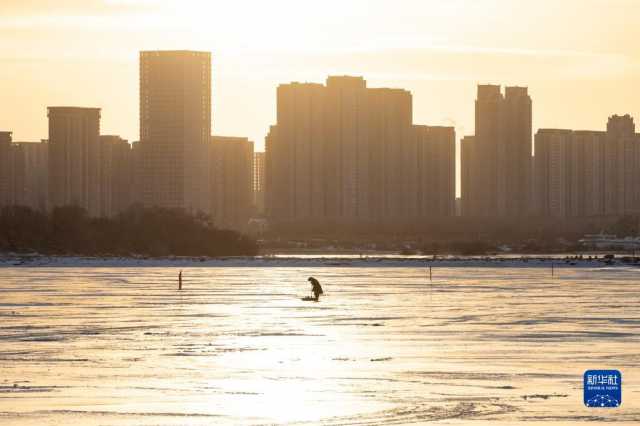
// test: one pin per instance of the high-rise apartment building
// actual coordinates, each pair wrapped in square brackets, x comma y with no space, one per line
[296,155]
[175,128]
[387,185]
[518,136]
[23,173]
[137,173]
[588,173]
[231,182]
[74,158]
[501,170]
[551,178]
[568,173]
[30,174]
[586,168]
[490,150]
[6,175]
[259,181]
[343,153]
[116,175]
[469,187]
[274,158]
[436,174]
[621,163]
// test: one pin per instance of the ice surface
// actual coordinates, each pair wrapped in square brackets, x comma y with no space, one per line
[479,345]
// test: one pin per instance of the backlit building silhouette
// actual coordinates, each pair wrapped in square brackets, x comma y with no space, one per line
[343,153]
[175,129]
[116,175]
[30,174]
[74,158]
[231,181]
[23,173]
[498,165]
[588,173]
[6,176]
[259,181]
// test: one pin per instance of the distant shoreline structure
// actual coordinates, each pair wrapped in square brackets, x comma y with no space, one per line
[324,261]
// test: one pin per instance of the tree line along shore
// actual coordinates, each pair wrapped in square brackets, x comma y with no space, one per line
[137,231]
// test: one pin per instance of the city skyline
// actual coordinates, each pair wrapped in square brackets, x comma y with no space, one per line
[344,123]
[361,157]
[359,141]
[208,127]
[440,65]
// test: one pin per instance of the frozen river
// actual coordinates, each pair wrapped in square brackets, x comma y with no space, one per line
[120,346]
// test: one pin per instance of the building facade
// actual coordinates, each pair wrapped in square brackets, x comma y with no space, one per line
[6,169]
[436,173]
[469,190]
[259,181]
[175,129]
[343,153]
[30,168]
[499,163]
[588,173]
[74,158]
[231,182]
[137,173]
[551,179]
[622,178]
[116,175]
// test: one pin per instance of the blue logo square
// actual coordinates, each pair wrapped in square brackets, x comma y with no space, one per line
[602,388]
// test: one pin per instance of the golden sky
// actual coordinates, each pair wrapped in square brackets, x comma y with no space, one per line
[580,58]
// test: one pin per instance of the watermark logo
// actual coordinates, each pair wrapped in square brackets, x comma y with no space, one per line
[602,388]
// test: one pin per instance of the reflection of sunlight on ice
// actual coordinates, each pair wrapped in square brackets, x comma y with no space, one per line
[293,363]
[285,401]
[294,373]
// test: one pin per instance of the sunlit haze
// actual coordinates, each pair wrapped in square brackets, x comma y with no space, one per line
[85,53]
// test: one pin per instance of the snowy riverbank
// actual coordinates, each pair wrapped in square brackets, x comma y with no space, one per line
[303,261]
